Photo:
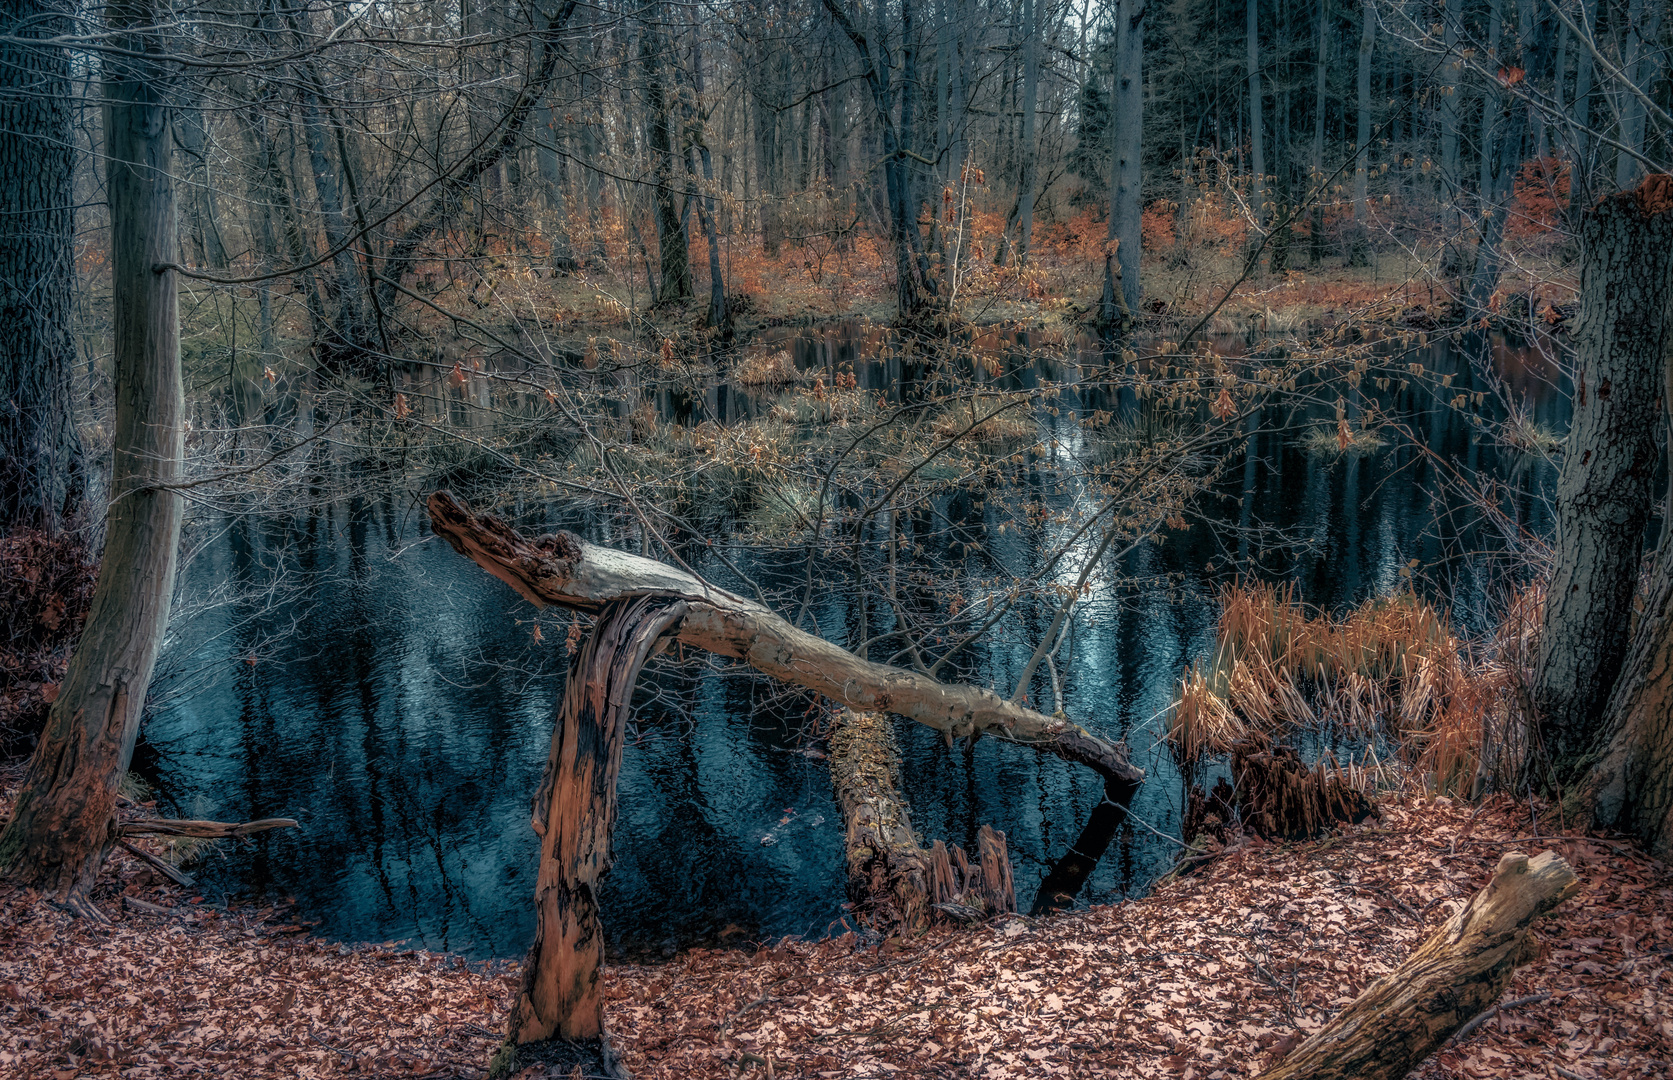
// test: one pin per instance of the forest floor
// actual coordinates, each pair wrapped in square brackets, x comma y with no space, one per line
[1210,976]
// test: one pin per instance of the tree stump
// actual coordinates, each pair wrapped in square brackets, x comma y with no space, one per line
[894,884]
[1454,976]
[574,814]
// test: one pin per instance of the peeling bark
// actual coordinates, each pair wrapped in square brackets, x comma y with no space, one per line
[1459,972]
[569,572]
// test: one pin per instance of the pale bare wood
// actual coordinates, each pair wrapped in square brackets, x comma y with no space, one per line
[1461,970]
[210,830]
[567,571]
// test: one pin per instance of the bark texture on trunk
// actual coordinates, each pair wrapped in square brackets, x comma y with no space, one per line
[894,883]
[1604,492]
[567,571]
[65,816]
[574,815]
[1460,971]
[1629,785]
[42,479]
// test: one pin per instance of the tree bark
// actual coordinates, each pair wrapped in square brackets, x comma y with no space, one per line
[718,319]
[567,571]
[574,815]
[1604,496]
[42,473]
[1028,178]
[1359,243]
[1461,970]
[1257,130]
[674,249]
[64,819]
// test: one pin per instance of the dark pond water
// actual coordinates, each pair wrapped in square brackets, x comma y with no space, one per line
[394,701]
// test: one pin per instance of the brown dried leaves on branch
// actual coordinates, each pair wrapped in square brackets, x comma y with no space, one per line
[1211,977]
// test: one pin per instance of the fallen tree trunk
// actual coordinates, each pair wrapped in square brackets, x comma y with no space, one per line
[566,571]
[894,884]
[1454,976]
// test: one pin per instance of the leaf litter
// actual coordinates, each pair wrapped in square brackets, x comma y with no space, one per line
[1213,975]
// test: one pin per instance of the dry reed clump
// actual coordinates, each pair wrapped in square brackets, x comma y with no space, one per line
[1392,667]
[767,369]
[991,425]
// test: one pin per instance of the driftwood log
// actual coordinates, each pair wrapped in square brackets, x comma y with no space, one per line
[893,882]
[563,570]
[1453,977]
[211,830]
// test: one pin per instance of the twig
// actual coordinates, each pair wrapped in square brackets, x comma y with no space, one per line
[167,870]
[145,908]
[1469,1028]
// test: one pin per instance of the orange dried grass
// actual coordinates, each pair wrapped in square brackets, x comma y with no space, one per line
[1392,666]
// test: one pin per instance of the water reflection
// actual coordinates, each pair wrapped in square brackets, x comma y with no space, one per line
[395,700]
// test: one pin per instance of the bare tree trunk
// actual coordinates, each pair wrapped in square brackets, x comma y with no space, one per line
[64,819]
[574,815]
[1580,114]
[1126,162]
[674,250]
[1628,785]
[1359,243]
[42,473]
[1604,494]
[1315,244]
[1257,129]
[1451,177]
[1028,177]
[1453,977]
[1641,64]
[568,571]
[718,315]
[912,285]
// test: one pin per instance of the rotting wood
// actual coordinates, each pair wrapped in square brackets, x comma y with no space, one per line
[894,884]
[1461,970]
[566,571]
[574,813]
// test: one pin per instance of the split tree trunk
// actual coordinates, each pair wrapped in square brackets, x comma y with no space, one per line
[65,816]
[1604,496]
[1453,977]
[894,884]
[569,572]
[574,815]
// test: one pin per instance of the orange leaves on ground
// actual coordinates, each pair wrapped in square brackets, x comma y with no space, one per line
[1157,224]
[1540,193]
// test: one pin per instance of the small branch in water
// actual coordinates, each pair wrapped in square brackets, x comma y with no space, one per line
[168,870]
[213,830]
